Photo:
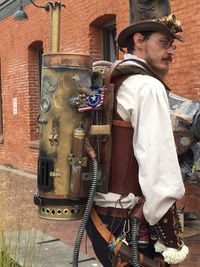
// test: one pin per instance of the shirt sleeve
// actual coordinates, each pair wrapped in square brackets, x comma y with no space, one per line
[143,100]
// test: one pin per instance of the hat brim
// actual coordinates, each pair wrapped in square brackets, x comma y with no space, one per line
[145,26]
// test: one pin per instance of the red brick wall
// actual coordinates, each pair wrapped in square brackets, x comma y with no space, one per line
[185,75]
[18,78]
[80,32]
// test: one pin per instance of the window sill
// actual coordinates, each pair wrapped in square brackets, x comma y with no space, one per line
[34,144]
[1,139]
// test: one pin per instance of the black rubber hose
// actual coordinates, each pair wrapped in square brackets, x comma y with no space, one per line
[87,212]
[134,243]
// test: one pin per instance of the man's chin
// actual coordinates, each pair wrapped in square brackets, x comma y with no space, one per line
[161,72]
[166,64]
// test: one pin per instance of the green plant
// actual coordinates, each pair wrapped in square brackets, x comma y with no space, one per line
[5,252]
[6,260]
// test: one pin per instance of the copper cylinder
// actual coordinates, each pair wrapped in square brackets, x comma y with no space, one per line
[76,168]
[56,134]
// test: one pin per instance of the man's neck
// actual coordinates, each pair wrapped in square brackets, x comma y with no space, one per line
[157,71]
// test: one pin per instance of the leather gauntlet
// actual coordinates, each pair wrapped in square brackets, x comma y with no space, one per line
[168,230]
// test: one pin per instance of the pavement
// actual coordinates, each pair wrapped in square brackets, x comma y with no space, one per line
[37,249]
[42,243]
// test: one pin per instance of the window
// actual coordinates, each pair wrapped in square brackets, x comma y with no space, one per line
[102,38]
[109,43]
[40,53]
[35,52]
[1,110]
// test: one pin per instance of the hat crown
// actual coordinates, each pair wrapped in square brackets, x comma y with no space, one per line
[140,10]
[152,16]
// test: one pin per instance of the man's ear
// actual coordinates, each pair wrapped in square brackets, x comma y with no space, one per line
[138,39]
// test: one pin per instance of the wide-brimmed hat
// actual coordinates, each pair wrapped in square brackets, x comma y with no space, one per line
[150,16]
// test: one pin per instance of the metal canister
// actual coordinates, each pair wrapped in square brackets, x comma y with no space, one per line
[57,120]
[77,161]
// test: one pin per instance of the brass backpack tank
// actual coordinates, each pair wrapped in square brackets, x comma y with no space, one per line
[60,194]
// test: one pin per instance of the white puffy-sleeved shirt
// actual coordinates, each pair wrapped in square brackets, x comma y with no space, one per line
[143,100]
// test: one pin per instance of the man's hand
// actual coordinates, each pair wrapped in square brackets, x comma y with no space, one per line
[171,255]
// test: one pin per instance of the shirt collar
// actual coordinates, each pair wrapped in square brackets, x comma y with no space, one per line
[130,56]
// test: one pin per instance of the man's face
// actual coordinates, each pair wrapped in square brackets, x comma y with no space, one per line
[158,51]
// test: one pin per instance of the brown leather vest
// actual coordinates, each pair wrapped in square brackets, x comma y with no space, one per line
[124,166]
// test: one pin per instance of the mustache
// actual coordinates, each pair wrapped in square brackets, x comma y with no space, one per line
[169,58]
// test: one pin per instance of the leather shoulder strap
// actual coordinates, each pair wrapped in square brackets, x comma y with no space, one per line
[109,77]
[118,69]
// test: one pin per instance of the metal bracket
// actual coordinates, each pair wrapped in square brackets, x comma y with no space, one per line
[77,161]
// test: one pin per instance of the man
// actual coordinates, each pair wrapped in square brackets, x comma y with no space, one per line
[149,168]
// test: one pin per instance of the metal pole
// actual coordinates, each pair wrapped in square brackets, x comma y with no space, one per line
[55,28]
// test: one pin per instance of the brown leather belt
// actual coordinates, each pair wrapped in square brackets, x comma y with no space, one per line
[114,212]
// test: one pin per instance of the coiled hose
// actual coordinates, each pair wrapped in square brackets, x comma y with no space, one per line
[134,247]
[87,211]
